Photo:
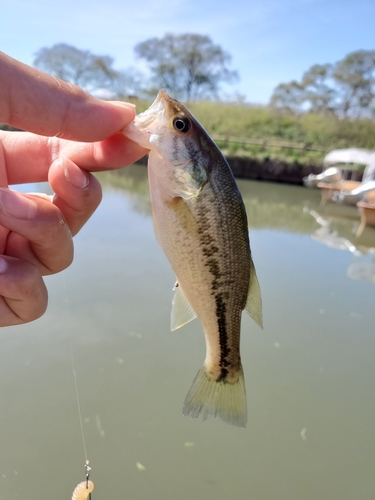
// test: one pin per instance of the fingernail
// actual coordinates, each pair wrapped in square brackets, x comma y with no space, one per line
[3,265]
[14,204]
[73,174]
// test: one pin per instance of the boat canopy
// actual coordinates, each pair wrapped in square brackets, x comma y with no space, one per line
[351,155]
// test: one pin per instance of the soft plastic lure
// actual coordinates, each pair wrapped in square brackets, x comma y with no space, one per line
[83,490]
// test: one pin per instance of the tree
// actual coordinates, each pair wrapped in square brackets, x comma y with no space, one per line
[318,94]
[313,93]
[90,71]
[355,75]
[189,66]
[287,96]
[346,88]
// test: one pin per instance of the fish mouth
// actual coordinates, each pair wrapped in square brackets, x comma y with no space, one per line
[151,123]
[154,114]
[162,108]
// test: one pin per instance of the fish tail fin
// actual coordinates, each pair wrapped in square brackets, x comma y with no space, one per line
[213,398]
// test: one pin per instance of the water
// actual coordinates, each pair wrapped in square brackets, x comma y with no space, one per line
[310,374]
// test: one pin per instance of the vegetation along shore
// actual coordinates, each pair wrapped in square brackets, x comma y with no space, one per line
[264,143]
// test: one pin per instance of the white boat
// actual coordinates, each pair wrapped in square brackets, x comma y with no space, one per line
[355,195]
[350,156]
[331,175]
[349,192]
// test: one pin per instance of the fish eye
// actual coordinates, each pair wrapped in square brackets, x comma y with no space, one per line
[181,124]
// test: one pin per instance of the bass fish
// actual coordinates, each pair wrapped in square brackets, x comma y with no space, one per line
[200,222]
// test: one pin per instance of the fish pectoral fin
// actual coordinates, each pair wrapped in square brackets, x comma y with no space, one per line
[190,179]
[156,227]
[254,300]
[182,312]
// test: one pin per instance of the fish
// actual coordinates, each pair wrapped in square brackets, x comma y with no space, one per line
[200,223]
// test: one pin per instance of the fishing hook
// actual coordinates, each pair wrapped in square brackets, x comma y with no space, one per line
[88,470]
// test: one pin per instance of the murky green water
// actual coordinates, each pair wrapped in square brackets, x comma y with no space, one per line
[310,375]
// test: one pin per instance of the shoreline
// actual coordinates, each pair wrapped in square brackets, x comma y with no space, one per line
[272,170]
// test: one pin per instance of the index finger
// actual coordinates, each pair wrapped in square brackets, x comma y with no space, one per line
[28,157]
[37,102]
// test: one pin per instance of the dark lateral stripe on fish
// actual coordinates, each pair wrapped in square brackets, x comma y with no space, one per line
[221,313]
[209,249]
[221,310]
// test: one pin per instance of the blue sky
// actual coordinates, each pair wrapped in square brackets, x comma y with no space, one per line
[271,41]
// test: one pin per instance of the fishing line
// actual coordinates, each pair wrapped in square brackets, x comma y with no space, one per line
[78,399]
[77,494]
[78,404]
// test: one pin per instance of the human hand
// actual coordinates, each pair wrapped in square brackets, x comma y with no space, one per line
[36,230]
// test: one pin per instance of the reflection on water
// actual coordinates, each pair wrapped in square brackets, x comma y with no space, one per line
[361,268]
[310,374]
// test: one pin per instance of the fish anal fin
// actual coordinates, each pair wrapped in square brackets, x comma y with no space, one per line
[212,398]
[182,312]
[254,300]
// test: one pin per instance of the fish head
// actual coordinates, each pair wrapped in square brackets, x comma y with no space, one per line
[180,149]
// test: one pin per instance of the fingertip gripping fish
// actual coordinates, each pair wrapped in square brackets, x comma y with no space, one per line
[200,222]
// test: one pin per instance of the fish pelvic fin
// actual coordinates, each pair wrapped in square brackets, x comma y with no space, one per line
[212,398]
[254,300]
[182,312]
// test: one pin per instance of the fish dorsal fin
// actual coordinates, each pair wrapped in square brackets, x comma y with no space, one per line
[182,312]
[254,300]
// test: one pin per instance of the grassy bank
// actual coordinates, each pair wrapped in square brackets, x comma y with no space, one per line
[323,132]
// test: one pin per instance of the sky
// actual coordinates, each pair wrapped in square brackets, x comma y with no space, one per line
[270,41]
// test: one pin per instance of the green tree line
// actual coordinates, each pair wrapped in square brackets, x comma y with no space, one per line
[190,66]
[344,89]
